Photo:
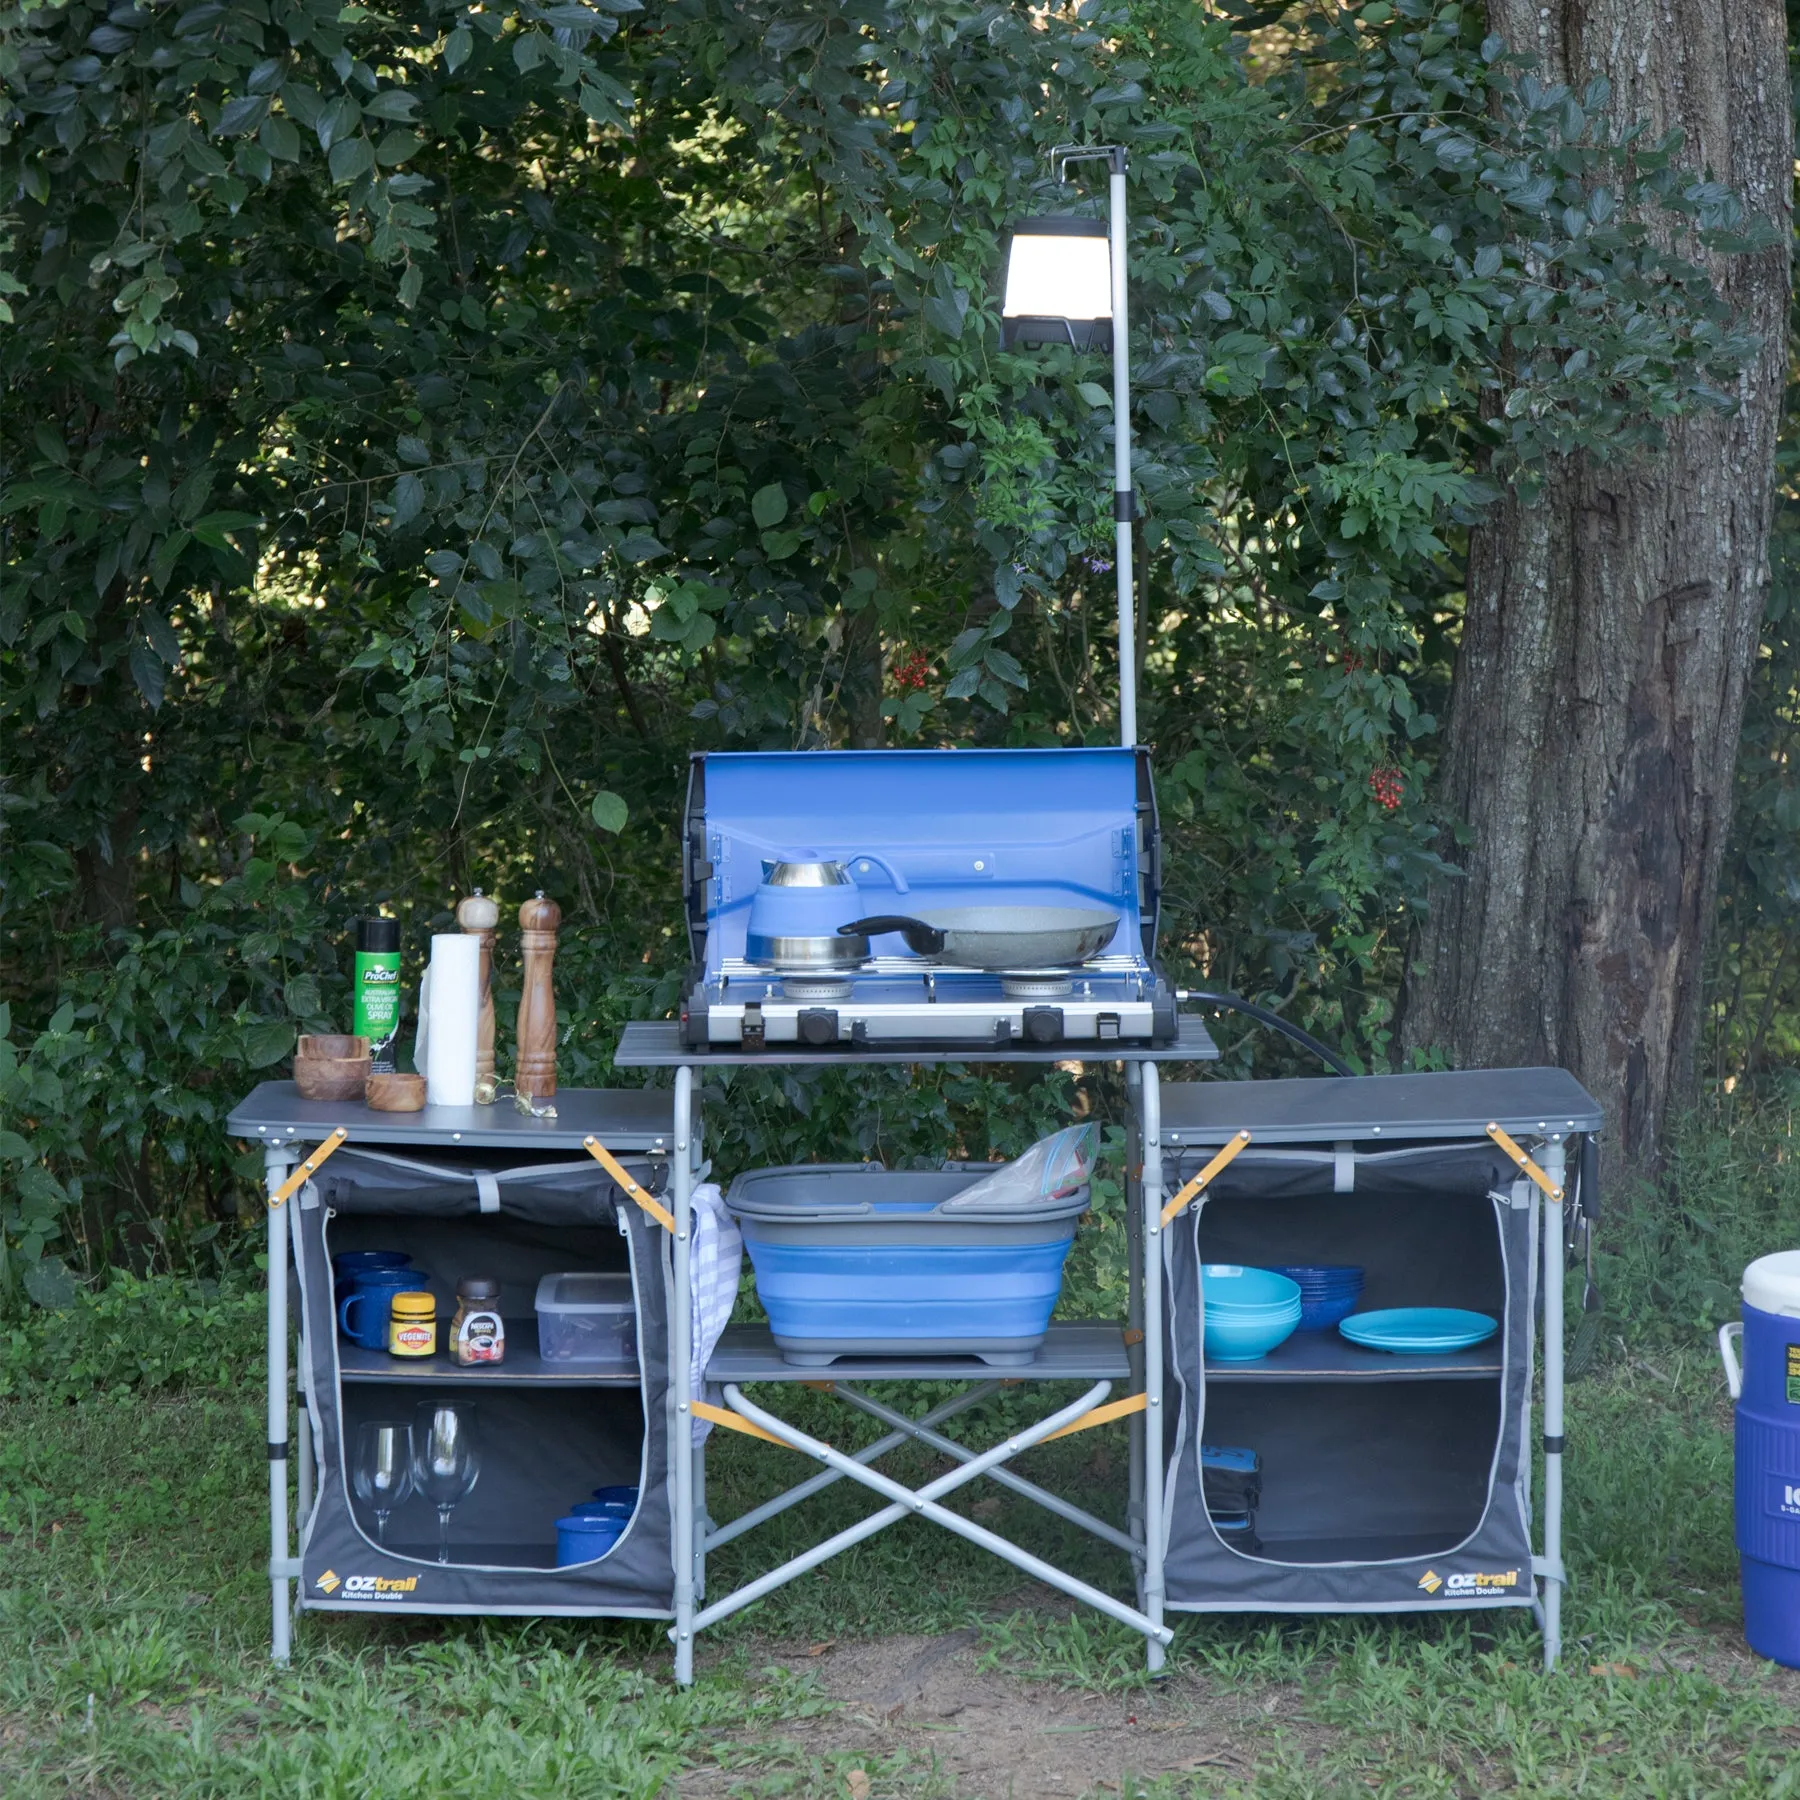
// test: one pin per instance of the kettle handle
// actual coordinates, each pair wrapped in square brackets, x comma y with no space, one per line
[1734,1369]
[882,863]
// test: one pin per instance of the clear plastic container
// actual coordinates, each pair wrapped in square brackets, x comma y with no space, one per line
[590,1319]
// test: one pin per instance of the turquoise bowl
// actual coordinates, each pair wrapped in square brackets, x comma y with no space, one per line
[1232,1288]
[1239,1339]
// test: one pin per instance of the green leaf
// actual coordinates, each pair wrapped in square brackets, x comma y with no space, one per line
[770,505]
[265,1043]
[13,1147]
[457,47]
[280,139]
[351,158]
[609,812]
[641,546]
[409,500]
[1093,393]
[50,1284]
[147,671]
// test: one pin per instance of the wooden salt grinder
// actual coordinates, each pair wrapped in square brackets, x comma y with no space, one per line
[478,917]
[536,1074]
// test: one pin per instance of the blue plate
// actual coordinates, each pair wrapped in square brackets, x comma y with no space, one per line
[1419,1330]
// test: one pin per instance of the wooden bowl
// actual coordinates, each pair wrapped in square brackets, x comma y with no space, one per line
[396,1093]
[330,1048]
[331,1077]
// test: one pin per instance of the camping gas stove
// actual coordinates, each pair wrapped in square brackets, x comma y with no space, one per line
[916,833]
[894,1002]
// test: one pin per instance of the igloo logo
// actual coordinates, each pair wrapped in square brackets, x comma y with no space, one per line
[1784,1498]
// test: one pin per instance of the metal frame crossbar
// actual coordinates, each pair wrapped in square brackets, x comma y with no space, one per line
[922,1502]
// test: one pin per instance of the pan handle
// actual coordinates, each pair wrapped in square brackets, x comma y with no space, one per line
[922,939]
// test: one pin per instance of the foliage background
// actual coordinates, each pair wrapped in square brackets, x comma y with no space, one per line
[424,427]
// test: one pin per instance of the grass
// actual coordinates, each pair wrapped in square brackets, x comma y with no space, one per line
[133,1617]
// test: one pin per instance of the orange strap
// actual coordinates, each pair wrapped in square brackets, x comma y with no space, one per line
[1101,1415]
[1551,1190]
[1205,1175]
[633,1190]
[289,1188]
[719,1415]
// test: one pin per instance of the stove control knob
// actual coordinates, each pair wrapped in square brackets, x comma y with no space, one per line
[1044,1024]
[817,1025]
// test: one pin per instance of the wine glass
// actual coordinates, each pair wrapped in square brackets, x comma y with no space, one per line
[384,1469]
[445,1465]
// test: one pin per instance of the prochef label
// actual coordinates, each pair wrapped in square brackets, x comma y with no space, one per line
[1793,1374]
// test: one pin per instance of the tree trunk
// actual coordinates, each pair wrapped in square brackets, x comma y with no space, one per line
[1609,637]
[860,693]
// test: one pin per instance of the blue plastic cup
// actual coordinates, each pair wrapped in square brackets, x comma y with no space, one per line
[363,1312]
[582,1539]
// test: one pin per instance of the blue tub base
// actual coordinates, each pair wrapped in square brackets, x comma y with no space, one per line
[1772,1610]
[999,1353]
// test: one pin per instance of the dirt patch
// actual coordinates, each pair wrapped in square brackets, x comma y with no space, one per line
[921,1708]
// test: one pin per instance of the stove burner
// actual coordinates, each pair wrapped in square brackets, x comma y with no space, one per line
[1037,984]
[812,988]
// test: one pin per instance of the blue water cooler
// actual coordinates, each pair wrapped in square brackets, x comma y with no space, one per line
[1766,1386]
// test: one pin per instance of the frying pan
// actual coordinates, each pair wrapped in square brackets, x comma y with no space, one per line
[997,937]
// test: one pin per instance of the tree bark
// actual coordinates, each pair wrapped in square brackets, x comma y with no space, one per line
[860,694]
[1609,638]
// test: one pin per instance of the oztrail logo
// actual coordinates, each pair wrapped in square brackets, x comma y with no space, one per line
[360,1587]
[1479,1583]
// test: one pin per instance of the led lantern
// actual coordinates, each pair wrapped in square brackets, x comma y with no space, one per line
[1058,284]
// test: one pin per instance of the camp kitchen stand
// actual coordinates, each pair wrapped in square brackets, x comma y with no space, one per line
[1389,1483]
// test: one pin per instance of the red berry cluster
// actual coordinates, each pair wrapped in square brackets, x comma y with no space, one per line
[1388,786]
[912,672]
[1352,662]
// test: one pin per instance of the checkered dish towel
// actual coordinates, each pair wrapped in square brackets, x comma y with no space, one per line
[714,1265]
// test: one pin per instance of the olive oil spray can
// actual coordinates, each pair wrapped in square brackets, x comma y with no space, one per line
[378,990]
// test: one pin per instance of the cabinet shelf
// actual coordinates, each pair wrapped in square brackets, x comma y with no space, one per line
[523,1367]
[1325,1356]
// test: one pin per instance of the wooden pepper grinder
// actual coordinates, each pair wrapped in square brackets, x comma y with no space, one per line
[536,1076]
[478,917]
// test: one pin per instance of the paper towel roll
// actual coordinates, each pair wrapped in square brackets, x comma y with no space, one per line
[455,1018]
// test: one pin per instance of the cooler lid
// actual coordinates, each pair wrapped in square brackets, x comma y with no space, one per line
[1772,1284]
[1072,827]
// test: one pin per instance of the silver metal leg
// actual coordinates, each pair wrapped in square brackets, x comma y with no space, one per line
[275,1167]
[1134,1305]
[1053,1503]
[1555,1160]
[681,1378]
[1153,1362]
[945,1409]
[923,1503]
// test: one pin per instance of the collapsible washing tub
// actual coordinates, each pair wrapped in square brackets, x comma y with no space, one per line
[855,1260]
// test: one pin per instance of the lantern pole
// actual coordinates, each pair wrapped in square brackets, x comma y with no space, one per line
[1124,500]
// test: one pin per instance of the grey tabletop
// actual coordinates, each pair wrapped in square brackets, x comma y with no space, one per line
[656,1044]
[1448,1103]
[1080,1350]
[621,1118]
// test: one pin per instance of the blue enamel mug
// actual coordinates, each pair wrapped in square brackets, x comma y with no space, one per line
[373,1293]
